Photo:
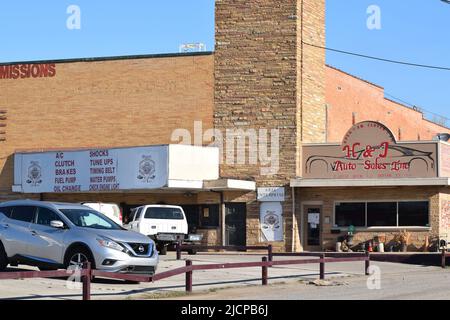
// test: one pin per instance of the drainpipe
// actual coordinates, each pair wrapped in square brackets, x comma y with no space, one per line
[222,216]
[293,220]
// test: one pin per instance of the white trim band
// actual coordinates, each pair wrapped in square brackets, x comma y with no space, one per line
[411,182]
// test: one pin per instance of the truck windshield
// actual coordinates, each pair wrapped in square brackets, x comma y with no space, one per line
[164,213]
[90,219]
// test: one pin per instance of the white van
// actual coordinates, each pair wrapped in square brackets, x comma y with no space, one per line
[165,224]
[111,210]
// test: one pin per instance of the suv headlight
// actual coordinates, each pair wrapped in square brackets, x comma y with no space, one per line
[108,243]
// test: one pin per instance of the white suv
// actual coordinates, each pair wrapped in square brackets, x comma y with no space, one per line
[165,224]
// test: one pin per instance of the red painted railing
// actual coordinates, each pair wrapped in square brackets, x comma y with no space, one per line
[87,273]
[202,248]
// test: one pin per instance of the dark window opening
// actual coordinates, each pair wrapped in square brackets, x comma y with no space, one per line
[205,216]
[209,216]
[413,214]
[192,217]
[351,214]
[382,214]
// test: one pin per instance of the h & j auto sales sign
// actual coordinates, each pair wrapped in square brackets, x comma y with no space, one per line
[369,151]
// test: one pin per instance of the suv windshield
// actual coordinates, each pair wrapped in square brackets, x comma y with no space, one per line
[164,213]
[90,219]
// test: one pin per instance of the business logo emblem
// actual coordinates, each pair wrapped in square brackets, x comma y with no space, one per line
[272,220]
[147,169]
[34,174]
[141,249]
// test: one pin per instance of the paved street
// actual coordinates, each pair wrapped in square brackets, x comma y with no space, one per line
[413,284]
[287,282]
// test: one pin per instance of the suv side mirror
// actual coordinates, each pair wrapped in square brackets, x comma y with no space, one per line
[57,224]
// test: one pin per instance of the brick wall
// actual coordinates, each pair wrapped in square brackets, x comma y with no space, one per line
[127,102]
[347,95]
[445,214]
[311,71]
[265,78]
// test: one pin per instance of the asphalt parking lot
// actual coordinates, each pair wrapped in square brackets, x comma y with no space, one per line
[239,283]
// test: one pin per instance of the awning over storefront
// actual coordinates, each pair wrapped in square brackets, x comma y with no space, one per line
[230,184]
[163,167]
[324,183]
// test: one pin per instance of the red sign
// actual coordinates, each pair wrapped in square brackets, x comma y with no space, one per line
[24,71]
[369,151]
[370,142]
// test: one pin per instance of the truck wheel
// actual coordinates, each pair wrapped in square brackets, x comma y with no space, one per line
[3,258]
[162,250]
[192,251]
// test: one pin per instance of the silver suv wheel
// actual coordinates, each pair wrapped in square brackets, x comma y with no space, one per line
[78,259]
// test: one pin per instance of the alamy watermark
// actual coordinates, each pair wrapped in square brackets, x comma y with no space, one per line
[237,146]
[73,22]
[374,279]
[374,19]
[74,280]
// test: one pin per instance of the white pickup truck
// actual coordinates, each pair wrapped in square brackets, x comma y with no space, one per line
[164,224]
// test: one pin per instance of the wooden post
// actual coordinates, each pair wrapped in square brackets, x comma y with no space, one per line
[178,248]
[86,279]
[189,277]
[322,266]
[443,258]
[367,263]
[264,272]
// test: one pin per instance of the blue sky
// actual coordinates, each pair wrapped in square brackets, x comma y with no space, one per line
[411,30]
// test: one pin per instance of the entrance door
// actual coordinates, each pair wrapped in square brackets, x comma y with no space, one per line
[311,228]
[235,224]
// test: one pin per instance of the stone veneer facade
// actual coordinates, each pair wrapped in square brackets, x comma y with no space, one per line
[266,77]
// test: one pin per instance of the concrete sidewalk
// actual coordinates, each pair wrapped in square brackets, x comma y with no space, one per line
[204,281]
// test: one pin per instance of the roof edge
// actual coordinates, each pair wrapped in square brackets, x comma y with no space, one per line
[353,76]
[112,58]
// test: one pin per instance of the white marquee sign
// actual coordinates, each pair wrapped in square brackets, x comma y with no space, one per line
[99,170]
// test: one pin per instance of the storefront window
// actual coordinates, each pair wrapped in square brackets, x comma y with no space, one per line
[351,214]
[210,216]
[382,214]
[413,213]
[202,216]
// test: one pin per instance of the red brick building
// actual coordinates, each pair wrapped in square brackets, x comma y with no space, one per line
[350,100]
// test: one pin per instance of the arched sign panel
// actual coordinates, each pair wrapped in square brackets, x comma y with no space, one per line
[369,150]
